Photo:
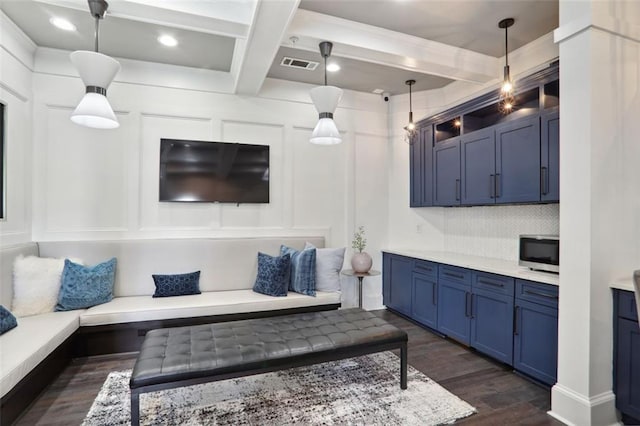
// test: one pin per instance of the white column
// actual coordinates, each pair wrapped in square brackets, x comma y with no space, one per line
[600,196]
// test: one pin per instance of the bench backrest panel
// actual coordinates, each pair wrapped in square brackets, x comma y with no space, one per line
[225,264]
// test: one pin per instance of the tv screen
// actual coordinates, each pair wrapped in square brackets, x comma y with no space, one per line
[198,171]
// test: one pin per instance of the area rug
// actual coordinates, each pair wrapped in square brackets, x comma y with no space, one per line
[357,391]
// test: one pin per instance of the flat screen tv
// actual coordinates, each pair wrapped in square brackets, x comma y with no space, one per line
[198,171]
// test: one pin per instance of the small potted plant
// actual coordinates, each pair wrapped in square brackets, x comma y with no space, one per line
[361,261]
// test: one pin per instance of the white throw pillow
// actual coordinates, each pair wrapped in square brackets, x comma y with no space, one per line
[328,266]
[36,284]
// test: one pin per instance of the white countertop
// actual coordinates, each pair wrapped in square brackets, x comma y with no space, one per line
[485,264]
[624,284]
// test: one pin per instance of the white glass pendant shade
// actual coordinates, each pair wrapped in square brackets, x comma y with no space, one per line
[94,111]
[95,70]
[326,133]
[326,99]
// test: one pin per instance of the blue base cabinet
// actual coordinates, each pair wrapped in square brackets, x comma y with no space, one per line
[626,367]
[424,303]
[535,343]
[399,274]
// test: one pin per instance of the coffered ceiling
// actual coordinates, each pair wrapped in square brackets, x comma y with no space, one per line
[378,43]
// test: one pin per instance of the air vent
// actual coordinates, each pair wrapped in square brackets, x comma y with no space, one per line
[298,63]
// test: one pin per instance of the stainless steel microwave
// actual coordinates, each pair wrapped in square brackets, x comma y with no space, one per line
[540,252]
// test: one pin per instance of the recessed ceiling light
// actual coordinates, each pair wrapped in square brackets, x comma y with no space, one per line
[378,91]
[167,40]
[333,67]
[62,23]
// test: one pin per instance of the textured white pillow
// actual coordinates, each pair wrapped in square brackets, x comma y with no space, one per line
[36,283]
[328,265]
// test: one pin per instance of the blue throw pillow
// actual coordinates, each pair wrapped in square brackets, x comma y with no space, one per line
[7,320]
[303,270]
[177,285]
[86,286]
[273,275]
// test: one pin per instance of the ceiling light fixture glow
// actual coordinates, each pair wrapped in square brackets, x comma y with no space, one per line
[62,24]
[333,67]
[167,40]
[410,130]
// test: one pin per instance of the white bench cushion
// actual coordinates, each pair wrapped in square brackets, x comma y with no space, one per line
[147,308]
[35,337]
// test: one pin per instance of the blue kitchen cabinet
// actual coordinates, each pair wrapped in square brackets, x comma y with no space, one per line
[421,177]
[477,167]
[535,345]
[626,361]
[446,173]
[550,157]
[397,282]
[425,299]
[491,309]
[454,294]
[517,175]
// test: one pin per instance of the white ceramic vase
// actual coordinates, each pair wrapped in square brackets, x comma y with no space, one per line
[361,262]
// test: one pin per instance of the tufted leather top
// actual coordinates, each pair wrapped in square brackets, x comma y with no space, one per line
[175,354]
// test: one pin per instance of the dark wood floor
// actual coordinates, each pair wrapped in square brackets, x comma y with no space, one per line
[500,396]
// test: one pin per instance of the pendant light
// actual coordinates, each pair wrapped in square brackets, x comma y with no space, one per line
[410,129]
[97,71]
[507,100]
[326,98]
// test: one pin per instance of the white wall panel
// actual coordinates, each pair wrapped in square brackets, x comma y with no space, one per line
[86,175]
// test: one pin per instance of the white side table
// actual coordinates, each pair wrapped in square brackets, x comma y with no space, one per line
[360,276]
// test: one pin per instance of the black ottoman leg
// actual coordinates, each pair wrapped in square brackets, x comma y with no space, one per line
[135,408]
[403,366]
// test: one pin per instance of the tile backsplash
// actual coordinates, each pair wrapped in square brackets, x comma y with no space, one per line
[493,231]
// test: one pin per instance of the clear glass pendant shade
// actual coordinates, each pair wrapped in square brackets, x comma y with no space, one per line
[326,99]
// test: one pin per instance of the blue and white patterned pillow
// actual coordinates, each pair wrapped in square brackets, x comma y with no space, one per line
[273,275]
[86,286]
[303,270]
[177,284]
[7,320]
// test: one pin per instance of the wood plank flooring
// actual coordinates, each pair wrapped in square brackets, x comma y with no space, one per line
[500,396]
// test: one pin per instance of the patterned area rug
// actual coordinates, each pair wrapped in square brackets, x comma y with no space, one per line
[363,390]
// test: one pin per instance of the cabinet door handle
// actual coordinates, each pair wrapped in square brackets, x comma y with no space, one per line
[452,275]
[491,283]
[541,294]
[434,294]
[516,321]
[544,180]
[457,189]
[492,186]
[466,304]
[471,307]
[497,180]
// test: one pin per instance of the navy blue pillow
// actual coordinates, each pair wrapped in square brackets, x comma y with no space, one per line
[273,275]
[303,270]
[86,286]
[177,285]
[7,320]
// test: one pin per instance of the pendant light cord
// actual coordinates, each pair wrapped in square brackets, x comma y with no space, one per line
[410,102]
[325,70]
[97,33]
[506,46]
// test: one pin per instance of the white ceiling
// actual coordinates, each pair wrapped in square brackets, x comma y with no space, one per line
[378,43]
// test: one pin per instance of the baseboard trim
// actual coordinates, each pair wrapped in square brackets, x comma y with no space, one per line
[573,408]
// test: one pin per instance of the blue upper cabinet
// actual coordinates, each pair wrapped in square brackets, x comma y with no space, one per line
[421,177]
[518,161]
[477,167]
[446,173]
[550,157]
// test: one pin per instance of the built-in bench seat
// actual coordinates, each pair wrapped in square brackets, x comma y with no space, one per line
[34,353]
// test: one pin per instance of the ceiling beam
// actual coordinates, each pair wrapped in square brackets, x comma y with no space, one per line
[390,48]
[215,20]
[252,62]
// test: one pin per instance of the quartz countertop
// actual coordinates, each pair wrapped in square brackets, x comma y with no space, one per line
[478,263]
[624,284]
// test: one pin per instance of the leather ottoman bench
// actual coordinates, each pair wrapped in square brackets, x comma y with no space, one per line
[185,356]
